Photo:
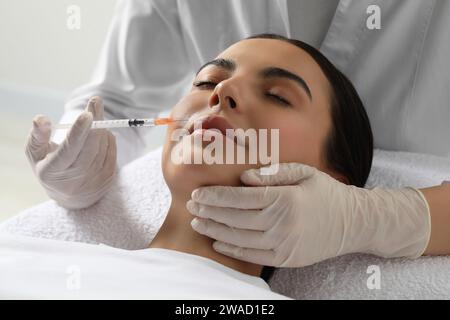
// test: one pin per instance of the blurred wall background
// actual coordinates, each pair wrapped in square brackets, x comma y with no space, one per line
[41,61]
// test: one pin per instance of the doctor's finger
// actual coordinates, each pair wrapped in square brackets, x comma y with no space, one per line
[107,167]
[236,218]
[95,106]
[257,256]
[235,197]
[68,151]
[286,174]
[93,151]
[239,237]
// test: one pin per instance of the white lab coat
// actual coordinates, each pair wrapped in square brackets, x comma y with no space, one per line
[154,47]
[401,71]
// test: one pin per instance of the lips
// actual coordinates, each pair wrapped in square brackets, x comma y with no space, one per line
[211,122]
[219,123]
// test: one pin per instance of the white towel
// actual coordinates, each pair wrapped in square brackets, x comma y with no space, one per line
[131,213]
[127,217]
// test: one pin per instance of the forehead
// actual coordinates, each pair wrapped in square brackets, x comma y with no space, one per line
[254,54]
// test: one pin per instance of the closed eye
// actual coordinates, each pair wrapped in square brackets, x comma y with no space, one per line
[211,85]
[279,99]
[202,84]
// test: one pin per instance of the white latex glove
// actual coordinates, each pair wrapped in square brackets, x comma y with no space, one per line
[79,171]
[306,216]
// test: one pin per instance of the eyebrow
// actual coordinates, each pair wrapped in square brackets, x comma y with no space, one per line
[270,72]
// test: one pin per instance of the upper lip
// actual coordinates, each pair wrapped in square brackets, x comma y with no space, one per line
[211,122]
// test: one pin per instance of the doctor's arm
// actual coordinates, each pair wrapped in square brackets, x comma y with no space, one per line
[438,199]
[302,216]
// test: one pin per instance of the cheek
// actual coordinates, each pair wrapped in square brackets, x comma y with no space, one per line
[301,142]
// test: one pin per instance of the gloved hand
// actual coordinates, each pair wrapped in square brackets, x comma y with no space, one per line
[79,171]
[301,216]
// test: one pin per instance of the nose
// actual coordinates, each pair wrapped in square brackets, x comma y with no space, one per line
[226,95]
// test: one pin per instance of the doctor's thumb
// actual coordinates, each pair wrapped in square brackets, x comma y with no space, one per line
[286,174]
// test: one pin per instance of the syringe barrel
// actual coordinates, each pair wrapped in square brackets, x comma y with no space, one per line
[110,124]
[122,123]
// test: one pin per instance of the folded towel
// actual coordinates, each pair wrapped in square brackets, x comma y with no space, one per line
[131,213]
[397,169]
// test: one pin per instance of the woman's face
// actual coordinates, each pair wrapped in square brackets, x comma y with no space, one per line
[254,84]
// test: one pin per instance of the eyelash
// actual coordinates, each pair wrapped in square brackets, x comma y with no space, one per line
[209,84]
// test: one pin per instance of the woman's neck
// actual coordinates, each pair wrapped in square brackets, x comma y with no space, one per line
[177,234]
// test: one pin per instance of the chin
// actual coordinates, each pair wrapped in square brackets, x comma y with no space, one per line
[185,177]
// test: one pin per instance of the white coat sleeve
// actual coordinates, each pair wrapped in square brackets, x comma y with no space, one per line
[143,69]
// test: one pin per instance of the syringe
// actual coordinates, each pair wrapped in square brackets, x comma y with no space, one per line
[124,123]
